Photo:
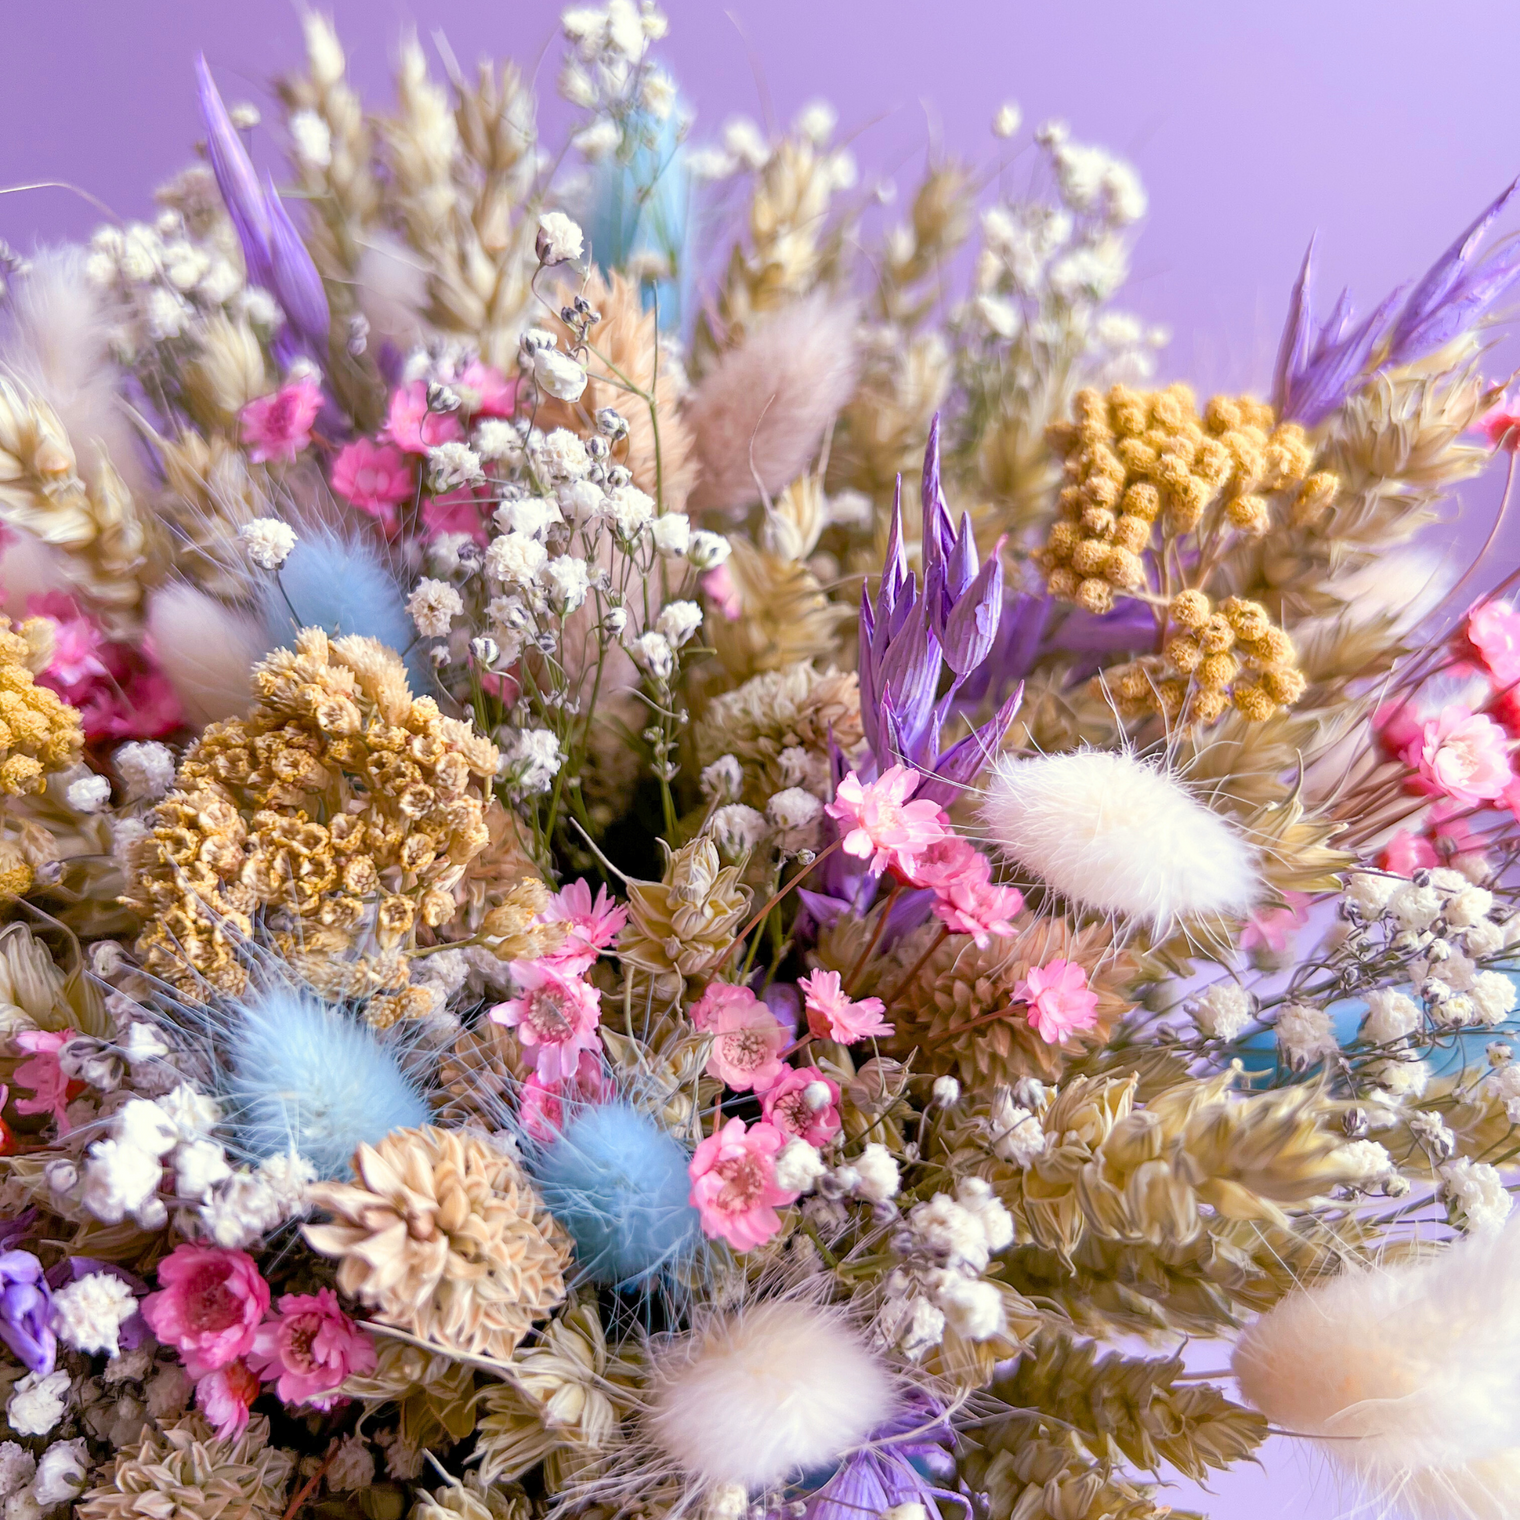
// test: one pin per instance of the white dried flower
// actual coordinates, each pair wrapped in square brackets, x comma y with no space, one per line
[723,780]
[1007,120]
[792,809]
[658,95]
[496,439]
[946,1091]
[708,550]
[1484,938]
[678,621]
[192,1114]
[37,1403]
[705,163]
[745,142]
[352,1467]
[267,541]
[1366,1160]
[1304,1034]
[560,456]
[558,374]
[1415,908]
[798,1167]
[17,1465]
[876,1168]
[671,533]
[632,511]
[568,581]
[89,794]
[652,653]
[1475,1196]
[972,1308]
[89,1312]
[1390,1016]
[1493,994]
[146,1126]
[120,1179]
[1017,1134]
[433,606]
[736,829]
[146,769]
[1468,906]
[451,465]
[581,501]
[533,515]
[559,238]
[312,138]
[515,559]
[168,313]
[199,1166]
[597,140]
[531,758]
[1225,1011]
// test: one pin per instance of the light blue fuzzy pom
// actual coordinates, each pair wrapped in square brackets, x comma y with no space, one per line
[313,1079]
[618,1184]
[340,585]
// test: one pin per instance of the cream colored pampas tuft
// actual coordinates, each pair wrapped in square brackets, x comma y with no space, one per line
[763,407]
[1407,1377]
[206,650]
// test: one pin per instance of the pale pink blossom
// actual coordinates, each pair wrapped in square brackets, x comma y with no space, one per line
[225,1397]
[786,1106]
[1272,928]
[376,478]
[1405,853]
[278,426]
[880,825]
[411,426]
[43,1074]
[718,587]
[77,643]
[1493,631]
[1397,725]
[733,1184]
[1461,755]
[541,1105]
[556,1018]
[1059,1000]
[591,926]
[486,392]
[747,1041]
[719,995]
[966,900]
[309,1347]
[831,1015]
[208,1306]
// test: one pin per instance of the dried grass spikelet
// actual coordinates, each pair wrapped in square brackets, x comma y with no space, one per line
[227,372]
[434,1393]
[627,356]
[1407,1377]
[185,1470]
[209,493]
[761,410]
[471,1498]
[444,1236]
[683,925]
[206,649]
[960,1013]
[39,732]
[786,618]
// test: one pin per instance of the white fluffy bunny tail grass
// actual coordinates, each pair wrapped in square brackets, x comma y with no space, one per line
[1407,1377]
[1118,835]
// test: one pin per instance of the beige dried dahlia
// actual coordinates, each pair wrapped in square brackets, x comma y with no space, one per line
[444,1235]
[186,1472]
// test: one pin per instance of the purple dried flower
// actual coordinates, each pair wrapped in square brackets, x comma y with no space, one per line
[26,1311]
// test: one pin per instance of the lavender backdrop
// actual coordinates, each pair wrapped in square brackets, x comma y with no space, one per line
[1383,124]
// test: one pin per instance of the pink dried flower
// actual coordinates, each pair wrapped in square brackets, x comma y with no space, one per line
[1493,632]
[833,1016]
[457,512]
[1461,755]
[733,1184]
[43,1074]
[555,1018]
[1406,853]
[591,926]
[77,643]
[881,826]
[411,426]
[1500,424]
[966,900]
[787,1105]
[747,1043]
[718,587]
[1272,928]
[541,1105]
[279,426]
[209,1305]
[719,995]
[486,392]
[1059,1000]
[225,1397]
[309,1348]
[375,477]
[1396,725]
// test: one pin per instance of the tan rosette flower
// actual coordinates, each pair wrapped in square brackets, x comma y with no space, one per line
[444,1236]
[39,732]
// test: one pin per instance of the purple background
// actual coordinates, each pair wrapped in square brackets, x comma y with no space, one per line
[1383,124]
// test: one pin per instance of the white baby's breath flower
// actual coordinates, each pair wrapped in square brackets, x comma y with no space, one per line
[745,142]
[798,1167]
[560,456]
[1017,1134]
[1225,1011]
[559,238]
[816,121]
[658,95]
[708,550]
[37,1403]
[581,501]
[168,313]
[972,1308]
[736,829]
[678,621]
[1391,1016]
[497,439]
[433,606]
[451,465]
[653,654]
[559,374]
[1304,1034]
[597,140]
[567,580]
[91,1311]
[515,559]
[671,533]
[89,794]
[312,138]
[530,758]
[876,1169]
[267,541]
[533,515]
[632,511]
[1007,120]
[1415,908]
[1475,1196]
[723,780]
[146,769]
[1493,994]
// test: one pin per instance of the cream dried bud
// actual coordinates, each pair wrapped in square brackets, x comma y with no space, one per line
[559,238]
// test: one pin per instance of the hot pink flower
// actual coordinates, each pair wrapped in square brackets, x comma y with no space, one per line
[591,926]
[541,1105]
[1406,853]
[486,392]
[225,1397]
[833,1016]
[43,1075]
[1493,631]
[309,1348]
[718,587]
[279,426]
[1271,930]
[77,643]
[375,477]
[1396,725]
[555,1018]
[881,826]
[786,1106]
[209,1305]
[1059,1000]
[733,1184]
[458,512]
[411,426]
[747,1043]
[1462,755]
[1500,424]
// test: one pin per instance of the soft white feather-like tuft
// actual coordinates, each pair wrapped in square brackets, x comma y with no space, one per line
[766,1392]
[206,650]
[58,342]
[1410,1375]
[766,403]
[1118,835]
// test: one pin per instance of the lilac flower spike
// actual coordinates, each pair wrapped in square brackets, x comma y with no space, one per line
[26,1311]
[275,256]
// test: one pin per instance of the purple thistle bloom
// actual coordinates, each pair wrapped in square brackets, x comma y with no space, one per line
[273,252]
[26,1311]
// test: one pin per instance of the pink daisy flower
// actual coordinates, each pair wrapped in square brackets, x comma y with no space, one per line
[309,1347]
[556,1018]
[278,426]
[833,1016]
[880,825]
[1461,755]
[747,1043]
[375,477]
[733,1184]
[411,426]
[1059,1000]
[208,1307]
[789,1105]
[225,1397]
[591,926]
[1493,631]
[719,995]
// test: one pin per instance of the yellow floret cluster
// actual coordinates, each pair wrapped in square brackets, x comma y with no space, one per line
[39,731]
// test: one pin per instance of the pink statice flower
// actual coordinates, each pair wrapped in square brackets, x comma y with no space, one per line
[43,1074]
[718,587]
[278,426]
[831,1015]
[591,927]
[1500,425]
[309,1347]
[747,1041]
[1493,634]
[412,427]
[1059,1000]
[966,900]
[225,1397]
[1405,853]
[880,825]
[376,478]
[556,1018]
[208,1307]
[486,392]
[1272,928]
[789,1105]
[733,1184]
[1462,755]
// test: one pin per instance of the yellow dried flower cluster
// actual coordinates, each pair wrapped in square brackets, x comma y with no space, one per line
[39,731]
[342,805]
